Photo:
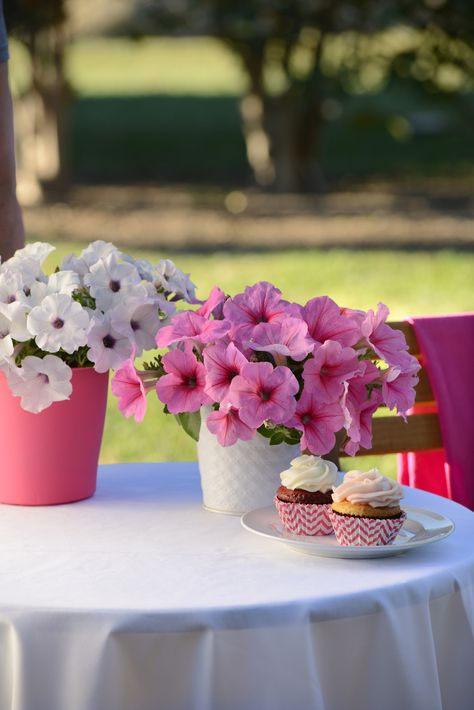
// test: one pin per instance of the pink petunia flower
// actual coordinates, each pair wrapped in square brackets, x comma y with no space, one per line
[260,303]
[329,367]
[388,343]
[358,407]
[398,388]
[284,339]
[355,314]
[131,387]
[263,392]
[227,425]
[191,326]
[325,322]
[213,305]
[318,421]
[362,424]
[182,389]
[222,363]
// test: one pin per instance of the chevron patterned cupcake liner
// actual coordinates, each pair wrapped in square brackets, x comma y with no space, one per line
[304,519]
[361,532]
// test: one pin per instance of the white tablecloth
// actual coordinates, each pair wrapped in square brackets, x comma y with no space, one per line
[138,599]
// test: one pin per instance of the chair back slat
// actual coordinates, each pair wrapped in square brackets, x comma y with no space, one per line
[424,393]
[409,333]
[391,435]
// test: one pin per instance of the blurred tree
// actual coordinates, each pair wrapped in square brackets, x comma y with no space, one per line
[299,56]
[43,111]
[297,65]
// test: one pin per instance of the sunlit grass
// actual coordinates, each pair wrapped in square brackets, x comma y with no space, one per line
[103,67]
[410,283]
[198,65]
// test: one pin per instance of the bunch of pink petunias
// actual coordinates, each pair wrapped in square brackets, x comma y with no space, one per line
[289,372]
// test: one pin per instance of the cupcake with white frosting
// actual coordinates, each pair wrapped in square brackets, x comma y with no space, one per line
[304,499]
[366,509]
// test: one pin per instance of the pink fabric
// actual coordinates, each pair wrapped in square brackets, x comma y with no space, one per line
[447,349]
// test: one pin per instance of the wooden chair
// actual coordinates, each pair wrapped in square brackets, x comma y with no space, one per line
[390,434]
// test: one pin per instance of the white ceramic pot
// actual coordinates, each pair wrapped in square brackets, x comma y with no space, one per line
[242,477]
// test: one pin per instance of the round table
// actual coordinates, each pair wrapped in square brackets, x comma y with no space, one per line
[138,599]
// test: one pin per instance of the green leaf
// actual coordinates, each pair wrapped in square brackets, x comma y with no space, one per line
[267,433]
[191,423]
[291,440]
[277,438]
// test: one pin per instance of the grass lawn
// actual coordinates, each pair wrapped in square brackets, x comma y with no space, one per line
[409,283]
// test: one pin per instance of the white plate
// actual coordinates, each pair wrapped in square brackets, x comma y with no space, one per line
[421,527]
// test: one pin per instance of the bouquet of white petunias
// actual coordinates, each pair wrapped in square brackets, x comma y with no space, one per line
[95,310]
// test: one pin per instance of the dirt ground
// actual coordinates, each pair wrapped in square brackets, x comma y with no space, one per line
[429,215]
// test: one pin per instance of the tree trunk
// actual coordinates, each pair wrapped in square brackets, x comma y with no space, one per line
[296,121]
[282,133]
[257,139]
[43,121]
[253,114]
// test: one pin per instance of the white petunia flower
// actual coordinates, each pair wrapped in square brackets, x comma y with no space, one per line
[59,322]
[27,263]
[71,262]
[110,282]
[173,280]
[37,293]
[7,364]
[98,250]
[108,348]
[138,321]
[89,256]
[60,282]
[11,287]
[39,251]
[40,382]
[28,269]
[63,282]
[16,313]
[6,341]
[166,308]
[146,270]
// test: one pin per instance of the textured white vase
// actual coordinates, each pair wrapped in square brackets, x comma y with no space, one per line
[239,478]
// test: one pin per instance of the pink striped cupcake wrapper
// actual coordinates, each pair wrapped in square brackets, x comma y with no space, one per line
[360,532]
[305,519]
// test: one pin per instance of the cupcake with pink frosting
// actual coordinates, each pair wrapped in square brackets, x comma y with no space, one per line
[304,498]
[366,509]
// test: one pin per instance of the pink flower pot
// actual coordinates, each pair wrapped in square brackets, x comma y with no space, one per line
[52,457]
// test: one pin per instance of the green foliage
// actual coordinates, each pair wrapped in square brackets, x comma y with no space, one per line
[280,434]
[83,296]
[26,17]
[76,359]
[191,423]
[298,55]
[293,36]
[155,364]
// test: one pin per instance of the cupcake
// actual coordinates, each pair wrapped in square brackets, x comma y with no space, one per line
[304,499]
[366,509]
